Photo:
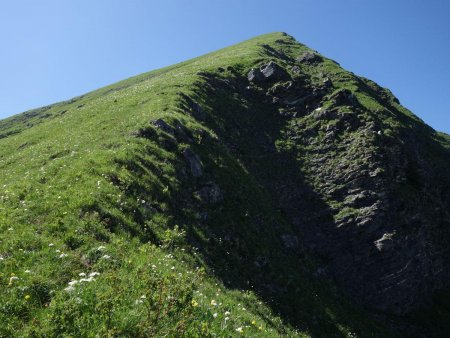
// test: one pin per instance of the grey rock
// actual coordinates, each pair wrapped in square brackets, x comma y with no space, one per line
[273,71]
[358,200]
[270,72]
[296,69]
[280,89]
[164,126]
[194,162]
[210,193]
[255,75]
[385,243]
[327,83]
[181,132]
[197,111]
[322,114]
[344,97]
[295,102]
[192,107]
[308,57]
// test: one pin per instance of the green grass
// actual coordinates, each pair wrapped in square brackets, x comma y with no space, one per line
[80,193]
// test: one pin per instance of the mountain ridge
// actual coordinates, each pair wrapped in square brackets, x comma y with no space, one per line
[248,163]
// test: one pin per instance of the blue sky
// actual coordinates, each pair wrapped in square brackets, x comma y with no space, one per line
[52,50]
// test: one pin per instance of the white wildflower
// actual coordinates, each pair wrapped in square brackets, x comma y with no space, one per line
[70,288]
[63,255]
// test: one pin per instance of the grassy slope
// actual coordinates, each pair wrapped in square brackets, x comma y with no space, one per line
[74,178]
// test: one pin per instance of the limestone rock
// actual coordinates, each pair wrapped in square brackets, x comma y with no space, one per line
[194,162]
[385,243]
[255,75]
[309,57]
[270,72]
[273,71]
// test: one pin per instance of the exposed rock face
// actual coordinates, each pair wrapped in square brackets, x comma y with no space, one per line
[192,107]
[385,243]
[364,199]
[210,193]
[267,73]
[193,160]
[273,71]
[255,75]
[309,57]
[161,124]
[344,97]
[379,245]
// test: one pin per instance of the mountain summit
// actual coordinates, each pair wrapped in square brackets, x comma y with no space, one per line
[260,190]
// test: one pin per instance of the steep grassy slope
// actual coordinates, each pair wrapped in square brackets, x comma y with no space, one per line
[190,201]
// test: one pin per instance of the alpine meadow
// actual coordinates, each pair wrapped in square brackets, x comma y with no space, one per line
[259,191]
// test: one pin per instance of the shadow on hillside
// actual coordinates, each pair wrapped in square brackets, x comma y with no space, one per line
[255,237]
[252,240]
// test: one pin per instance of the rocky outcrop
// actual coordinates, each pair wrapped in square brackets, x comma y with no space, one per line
[309,57]
[210,193]
[161,124]
[269,72]
[354,191]
[193,161]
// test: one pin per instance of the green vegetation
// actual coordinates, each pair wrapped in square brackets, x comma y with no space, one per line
[103,231]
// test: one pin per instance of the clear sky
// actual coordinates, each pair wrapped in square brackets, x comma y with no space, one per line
[52,50]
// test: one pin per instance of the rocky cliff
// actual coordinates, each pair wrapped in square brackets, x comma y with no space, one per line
[364,182]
